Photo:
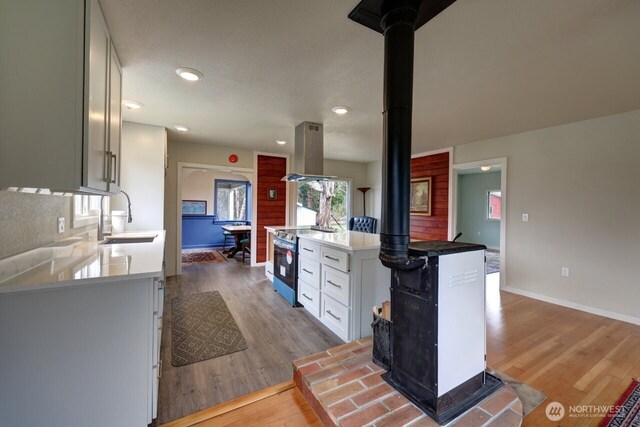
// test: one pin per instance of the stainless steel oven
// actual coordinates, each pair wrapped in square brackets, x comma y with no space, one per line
[285,266]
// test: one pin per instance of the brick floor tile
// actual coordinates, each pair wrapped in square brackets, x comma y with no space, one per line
[340,393]
[353,375]
[395,401]
[498,401]
[372,394]
[364,416]
[324,374]
[424,421]
[334,360]
[357,362]
[309,369]
[474,418]
[344,347]
[341,409]
[507,419]
[311,358]
[400,417]
[372,380]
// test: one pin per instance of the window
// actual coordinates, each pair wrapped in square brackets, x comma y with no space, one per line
[309,201]
[231,200]
[494,205]
[86,209]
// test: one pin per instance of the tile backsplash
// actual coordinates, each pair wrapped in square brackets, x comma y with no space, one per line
[28,221]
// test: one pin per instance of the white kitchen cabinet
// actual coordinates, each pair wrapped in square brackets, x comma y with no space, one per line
[341,280]
[61,82]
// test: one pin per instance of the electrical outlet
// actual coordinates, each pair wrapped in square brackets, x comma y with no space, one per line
[525,217]
[565,271]
[61,225]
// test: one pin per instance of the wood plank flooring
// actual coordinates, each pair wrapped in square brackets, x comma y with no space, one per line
[575,358]
[276,335]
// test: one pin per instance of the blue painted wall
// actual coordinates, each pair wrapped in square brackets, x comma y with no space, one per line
[472,209]
[202,231]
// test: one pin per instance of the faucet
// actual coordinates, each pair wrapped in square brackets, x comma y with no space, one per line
[102,215]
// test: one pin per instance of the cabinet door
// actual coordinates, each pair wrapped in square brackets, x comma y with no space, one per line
[115,121]
[97,88]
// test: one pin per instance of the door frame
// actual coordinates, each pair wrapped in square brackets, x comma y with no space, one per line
[453,213]
[250,175]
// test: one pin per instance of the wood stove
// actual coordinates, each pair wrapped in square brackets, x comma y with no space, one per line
[437,288]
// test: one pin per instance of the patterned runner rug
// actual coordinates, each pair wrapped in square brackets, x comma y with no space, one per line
[626,411]
[202,255]
[202,328]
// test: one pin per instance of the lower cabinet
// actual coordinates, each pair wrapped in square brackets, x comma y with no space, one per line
[340,287]
[82,355]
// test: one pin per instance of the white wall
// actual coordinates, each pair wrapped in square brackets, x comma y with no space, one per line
[142,175]
[580,185]
[198,184]
[374,196]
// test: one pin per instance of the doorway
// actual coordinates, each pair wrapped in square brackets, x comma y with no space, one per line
[208,198]
[479,200]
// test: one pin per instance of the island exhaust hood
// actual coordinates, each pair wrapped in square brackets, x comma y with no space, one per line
[309,154]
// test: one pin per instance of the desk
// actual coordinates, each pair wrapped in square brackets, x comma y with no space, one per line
[238,231]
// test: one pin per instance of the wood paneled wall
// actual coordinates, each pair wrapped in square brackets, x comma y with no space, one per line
[434,227]
[269,212]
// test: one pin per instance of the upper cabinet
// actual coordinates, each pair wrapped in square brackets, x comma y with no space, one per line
[60,97]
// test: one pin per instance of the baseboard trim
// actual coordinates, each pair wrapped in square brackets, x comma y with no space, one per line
[575,306]
[232,405]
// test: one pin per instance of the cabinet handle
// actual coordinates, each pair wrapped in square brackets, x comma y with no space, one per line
[334,284]
[332,258]
[114,163]
[308,250]
[107,166]
[307,297]
[333,315]
[307,271]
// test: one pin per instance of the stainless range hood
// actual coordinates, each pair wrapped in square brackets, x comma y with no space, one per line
[309,154]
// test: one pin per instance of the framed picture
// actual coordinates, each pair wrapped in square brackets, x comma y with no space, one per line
[421,196]
[272,193]
[194,207]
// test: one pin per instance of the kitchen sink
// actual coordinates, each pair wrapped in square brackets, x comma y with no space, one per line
[119,240]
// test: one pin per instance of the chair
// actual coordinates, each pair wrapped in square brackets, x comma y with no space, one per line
[246,247]
[227,235]
[365,224]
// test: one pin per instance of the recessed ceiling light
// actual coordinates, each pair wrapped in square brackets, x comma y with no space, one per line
[485,168]
[341,109]
[132,105]
[281,141]
[189,74]
[181,128]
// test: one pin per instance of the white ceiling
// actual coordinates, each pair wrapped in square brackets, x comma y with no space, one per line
[483,68]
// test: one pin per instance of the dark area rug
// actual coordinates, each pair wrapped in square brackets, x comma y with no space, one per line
[202,328]
[202,255]
[529,396]
[493,261]
[626,411]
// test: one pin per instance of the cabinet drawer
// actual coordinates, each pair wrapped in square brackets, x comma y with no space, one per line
[335,316]
[309,271]
[308,250]
[335,259]
[336,284]
[310,298]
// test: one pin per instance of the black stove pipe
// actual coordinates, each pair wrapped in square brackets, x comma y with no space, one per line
[398,25]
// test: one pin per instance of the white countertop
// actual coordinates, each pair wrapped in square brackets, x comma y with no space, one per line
[82,262]
[349,240]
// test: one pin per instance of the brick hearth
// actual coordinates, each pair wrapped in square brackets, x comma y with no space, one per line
[344,388]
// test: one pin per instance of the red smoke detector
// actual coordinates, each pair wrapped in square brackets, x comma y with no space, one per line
[233,158]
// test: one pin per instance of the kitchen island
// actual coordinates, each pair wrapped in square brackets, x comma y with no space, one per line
[340,279]
[80,326]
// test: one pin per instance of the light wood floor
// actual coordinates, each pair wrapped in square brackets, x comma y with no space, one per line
[575,358]
[276,335]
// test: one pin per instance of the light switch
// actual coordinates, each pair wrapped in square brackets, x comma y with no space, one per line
[525,217]
[565,271]
[61,225]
